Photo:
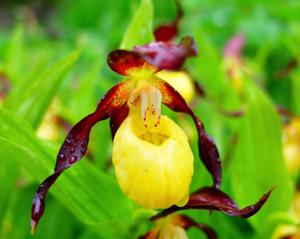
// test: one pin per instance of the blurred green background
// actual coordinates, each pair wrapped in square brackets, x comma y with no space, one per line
[53,72]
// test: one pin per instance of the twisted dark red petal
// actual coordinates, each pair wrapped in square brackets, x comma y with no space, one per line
[169,31]
[207,149]
[187,222]
[122,61]
[117,117]
[166,55]
[75,144]
[210,198]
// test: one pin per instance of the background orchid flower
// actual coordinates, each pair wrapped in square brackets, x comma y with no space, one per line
[233,60]
[145,91]
[175,226]
[290,230]
[291,144]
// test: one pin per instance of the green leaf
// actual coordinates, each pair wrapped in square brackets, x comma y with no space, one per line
[140,29]
[257,164]
[90,194]
[15,54]
[8,174]
[33,102]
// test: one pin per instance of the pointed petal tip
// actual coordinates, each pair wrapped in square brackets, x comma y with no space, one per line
[33,225]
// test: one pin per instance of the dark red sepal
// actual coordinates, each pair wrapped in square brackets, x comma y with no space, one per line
[187,222]
[167,55]
[167,32]
[210,198]
[117,117]
[207,149]
[76,143]
[122,61]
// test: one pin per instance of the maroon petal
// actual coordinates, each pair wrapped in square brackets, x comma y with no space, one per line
[213,199]
[122,61]
[207,149]
[187,222]
[167,55]
[117,117]
[75,144]
[170,31]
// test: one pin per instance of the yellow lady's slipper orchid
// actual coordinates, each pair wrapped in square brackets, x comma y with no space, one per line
[151,154]
[152,158]
[154,165]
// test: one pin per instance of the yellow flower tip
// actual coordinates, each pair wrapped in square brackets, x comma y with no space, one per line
[235,71]
[181,81]
[286,230]
[48,130]
[33,227]
[154,166]
[165,228]
[295,208]
[291,145]
[172,231]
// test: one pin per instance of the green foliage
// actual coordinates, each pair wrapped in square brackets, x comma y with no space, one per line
[76,188]
[140,29]
[258,154]
[32,97]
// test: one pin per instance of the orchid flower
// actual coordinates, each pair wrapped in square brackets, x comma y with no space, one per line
[291,230]
[146,144]
[175,226]
[233,60]
[151,155]
[291,144]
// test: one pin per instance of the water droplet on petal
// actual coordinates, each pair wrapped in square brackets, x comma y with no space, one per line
[72,159]
[68,141]
[61,156]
